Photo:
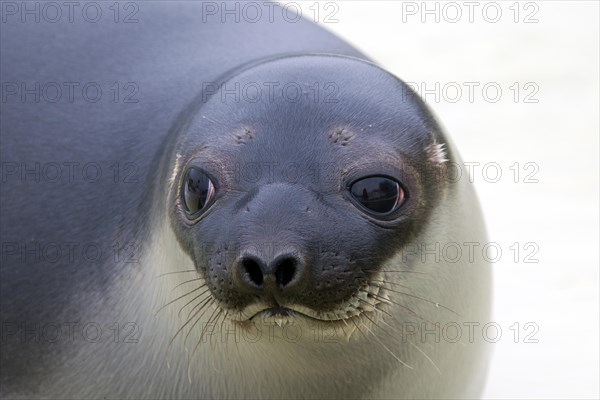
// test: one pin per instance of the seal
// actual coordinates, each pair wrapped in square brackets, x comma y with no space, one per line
[258,224]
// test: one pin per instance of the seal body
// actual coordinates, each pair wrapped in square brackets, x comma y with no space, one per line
[222,208]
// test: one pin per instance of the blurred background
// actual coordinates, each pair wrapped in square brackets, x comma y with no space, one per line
[516,86]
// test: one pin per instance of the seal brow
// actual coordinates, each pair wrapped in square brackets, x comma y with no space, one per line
[341,136]
[244,136]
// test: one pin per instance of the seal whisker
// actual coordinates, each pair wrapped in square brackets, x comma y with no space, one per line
[390,283]
[398,271]
[174,300]
[191,356]
[206,303]
[399,305]
[183,326]
[200,303]
[412,344]
[213,317]
[220,327]
[383,345]
[222,322]
[178,332]
[425,355]
[212,320]
[176,272]
[348,335]
[425,300]
[191,301]
[375,306]
[234,332]
[191,280]
[357,328]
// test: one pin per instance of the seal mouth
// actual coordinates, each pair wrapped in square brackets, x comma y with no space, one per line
[277,311]
[365,301]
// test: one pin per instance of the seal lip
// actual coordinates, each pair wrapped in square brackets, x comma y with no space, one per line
[279,312]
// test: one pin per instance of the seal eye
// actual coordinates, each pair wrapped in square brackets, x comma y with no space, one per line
[378,194]
[198,190]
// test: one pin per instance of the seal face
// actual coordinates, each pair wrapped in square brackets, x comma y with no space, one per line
[289,205]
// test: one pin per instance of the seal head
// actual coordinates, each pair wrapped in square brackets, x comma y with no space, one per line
[296,179]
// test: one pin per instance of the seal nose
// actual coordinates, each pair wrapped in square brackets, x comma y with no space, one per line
[283,272]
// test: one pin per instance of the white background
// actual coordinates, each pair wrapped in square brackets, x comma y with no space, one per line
[559,133]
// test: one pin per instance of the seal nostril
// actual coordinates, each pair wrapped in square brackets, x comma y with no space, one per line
[285,272]
[253,271]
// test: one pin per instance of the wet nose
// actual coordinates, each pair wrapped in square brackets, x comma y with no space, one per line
[283,273]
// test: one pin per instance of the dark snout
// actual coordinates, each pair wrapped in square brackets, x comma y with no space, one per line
[274,249]
[291,247]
